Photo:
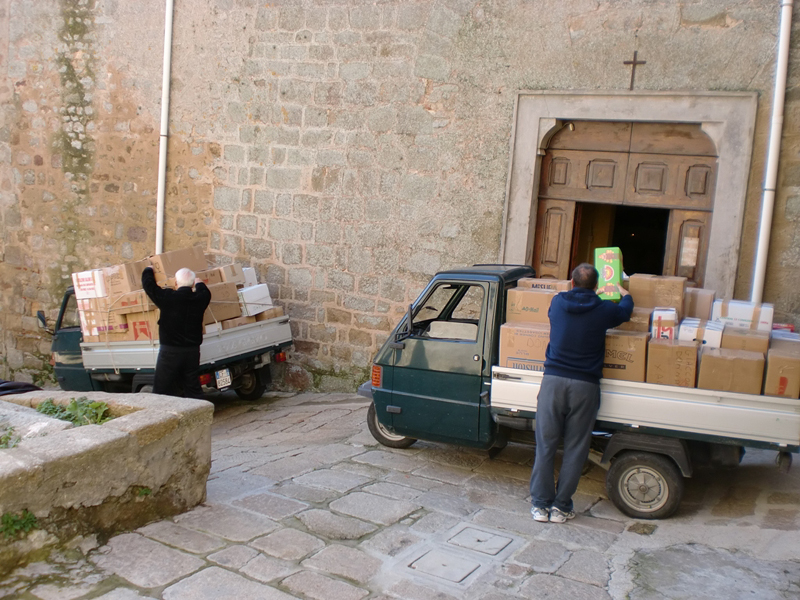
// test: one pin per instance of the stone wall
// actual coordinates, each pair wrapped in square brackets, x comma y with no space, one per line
[348,150]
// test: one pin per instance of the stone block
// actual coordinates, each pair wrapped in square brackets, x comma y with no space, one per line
[288,544]
[227,522]
[319,587]
[258,248]
[284,178]
[335,527]
[344,562]
[226,198]
[283,230]
[247,224]
[376,509]
[320,256]
[220,584]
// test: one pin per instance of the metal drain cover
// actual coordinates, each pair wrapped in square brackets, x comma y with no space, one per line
[444,565]
[480,541]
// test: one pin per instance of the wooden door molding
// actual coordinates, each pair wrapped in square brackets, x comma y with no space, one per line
[553,247]
[687,245]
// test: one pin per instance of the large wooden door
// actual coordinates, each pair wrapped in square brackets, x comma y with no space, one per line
[554,226]
[687,244]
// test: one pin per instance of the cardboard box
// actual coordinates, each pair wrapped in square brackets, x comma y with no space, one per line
[108,337]
[250,278]
[734,338]
[528,305]
[270,313]
[784,340]
[640,320]
[209,276]
[97,317]
[121,279]
[523,345]
[232,274]
[698,303]
[224,303]
[131,302]
[553,285]
[672,362]
[212,328]
[143,325]
[664,324]
[255,299]
[165,265]
[231,323]
[743,314]
[782,376]
[653,291]
[706,333]
[626,355]
[608,262]
[89,284]
[730,370]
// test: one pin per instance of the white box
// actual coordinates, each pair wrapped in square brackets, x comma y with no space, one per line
[212,327]
[745,315]
[664,324]
[250,278]
[89,284]
[708,333]
[255,299]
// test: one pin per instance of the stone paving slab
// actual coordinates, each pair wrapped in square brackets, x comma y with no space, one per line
[320,587]
[215,583]
[271,505]
[332,480]
[181,537]
[227,522]
[345,562]
[335,527]
[376,509]
[288,544]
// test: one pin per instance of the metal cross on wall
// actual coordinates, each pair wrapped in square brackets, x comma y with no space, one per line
[633,64]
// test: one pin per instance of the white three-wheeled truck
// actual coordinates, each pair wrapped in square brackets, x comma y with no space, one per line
[436,378]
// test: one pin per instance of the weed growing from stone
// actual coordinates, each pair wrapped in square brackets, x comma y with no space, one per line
[80,411]
[7,437]
[143,492]
[12,525]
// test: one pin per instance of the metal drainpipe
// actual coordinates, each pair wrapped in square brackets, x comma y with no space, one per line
[162,145]
[773,153]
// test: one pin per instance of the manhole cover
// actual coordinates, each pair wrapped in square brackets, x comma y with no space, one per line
[480,541]
[445,566]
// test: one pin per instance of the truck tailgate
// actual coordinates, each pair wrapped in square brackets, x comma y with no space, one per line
[702,412]
[217,347]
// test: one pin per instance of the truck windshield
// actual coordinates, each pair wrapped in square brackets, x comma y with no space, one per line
[70,316]
[451,311]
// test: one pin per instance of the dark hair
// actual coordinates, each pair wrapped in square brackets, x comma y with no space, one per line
[585,276]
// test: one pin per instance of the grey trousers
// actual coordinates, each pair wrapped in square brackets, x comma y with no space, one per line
[567,408]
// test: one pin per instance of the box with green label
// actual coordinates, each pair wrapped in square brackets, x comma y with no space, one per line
[608,262]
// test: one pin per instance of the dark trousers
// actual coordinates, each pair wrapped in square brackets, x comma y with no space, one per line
[566,408]
[177,371]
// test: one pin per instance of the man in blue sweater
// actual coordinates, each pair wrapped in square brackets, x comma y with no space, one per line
[570,392]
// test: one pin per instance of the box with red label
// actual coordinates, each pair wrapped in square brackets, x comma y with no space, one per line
[782,376]
[528,305]
[608,262]
[143,326]
[165,265]
[554,285]
[89,284]
[664,324]
[707,333]
[209,276]
[523,345]
[127,303]
[232,274]
[743,314]
[121,279]
[96,316]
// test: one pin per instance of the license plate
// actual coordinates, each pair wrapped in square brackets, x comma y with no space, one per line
[223,378]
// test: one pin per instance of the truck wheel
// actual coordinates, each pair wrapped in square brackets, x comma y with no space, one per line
[644,485]
[145,389]
[383,435]
[251,387]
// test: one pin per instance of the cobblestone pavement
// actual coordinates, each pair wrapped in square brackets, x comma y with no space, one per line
[303,503]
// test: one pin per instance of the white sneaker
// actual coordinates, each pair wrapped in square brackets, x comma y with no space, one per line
[540,514]
[559,516]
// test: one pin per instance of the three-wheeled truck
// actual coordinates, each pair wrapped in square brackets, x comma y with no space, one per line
[436,378]
[236,358]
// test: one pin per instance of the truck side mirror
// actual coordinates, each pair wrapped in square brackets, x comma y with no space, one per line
[42,321]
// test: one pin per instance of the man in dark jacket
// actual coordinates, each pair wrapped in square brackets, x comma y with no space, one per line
[180,332]
[569,396]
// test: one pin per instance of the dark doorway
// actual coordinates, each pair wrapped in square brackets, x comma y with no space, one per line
[641,234]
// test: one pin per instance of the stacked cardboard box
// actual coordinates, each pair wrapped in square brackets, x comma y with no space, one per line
[745,315]
[523,345]
[672,362]
[665,324]
[528,305]
[706,333]
[731,370]
[653,291]
[626,355]
[553,285]
[640,320]
[698,303]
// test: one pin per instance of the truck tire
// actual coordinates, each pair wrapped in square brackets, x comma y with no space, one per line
[145,389]
[383,435]
[250,386]
[644,485]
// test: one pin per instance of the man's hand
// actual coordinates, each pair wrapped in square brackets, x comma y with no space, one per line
[197,280]
[622,291]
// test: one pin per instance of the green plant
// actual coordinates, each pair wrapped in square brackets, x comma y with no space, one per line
[80,411]
[7,437]
[12,525]
[143,491]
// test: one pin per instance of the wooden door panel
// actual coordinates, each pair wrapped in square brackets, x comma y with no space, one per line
[670,181]
[584,176]
[553,241]
[687,245]
[671,138]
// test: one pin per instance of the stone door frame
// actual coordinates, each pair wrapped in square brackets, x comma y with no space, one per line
[727,117]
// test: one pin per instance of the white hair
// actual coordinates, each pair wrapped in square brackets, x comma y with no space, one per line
[184,278]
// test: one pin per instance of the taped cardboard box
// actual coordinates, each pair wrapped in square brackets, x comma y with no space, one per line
[698,303]
[232,274]
[96,316]
[784,340]
[672,362]
[664,324]
[224,303]
[734,338]
[653,291]
[237,322]
[640,320]
[143,325]
[782,376]
[705,333]
[625,355]
[528,305]
[553,285]
[210,276]
[730,370]
[250,278]
[523,345]
[89,284]
[109,337]
[608,262]
[270,313]
[121,279]
[746,315]
[166,264]
[255,299]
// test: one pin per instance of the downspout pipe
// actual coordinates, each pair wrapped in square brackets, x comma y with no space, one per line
[164,133]
[773,153]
